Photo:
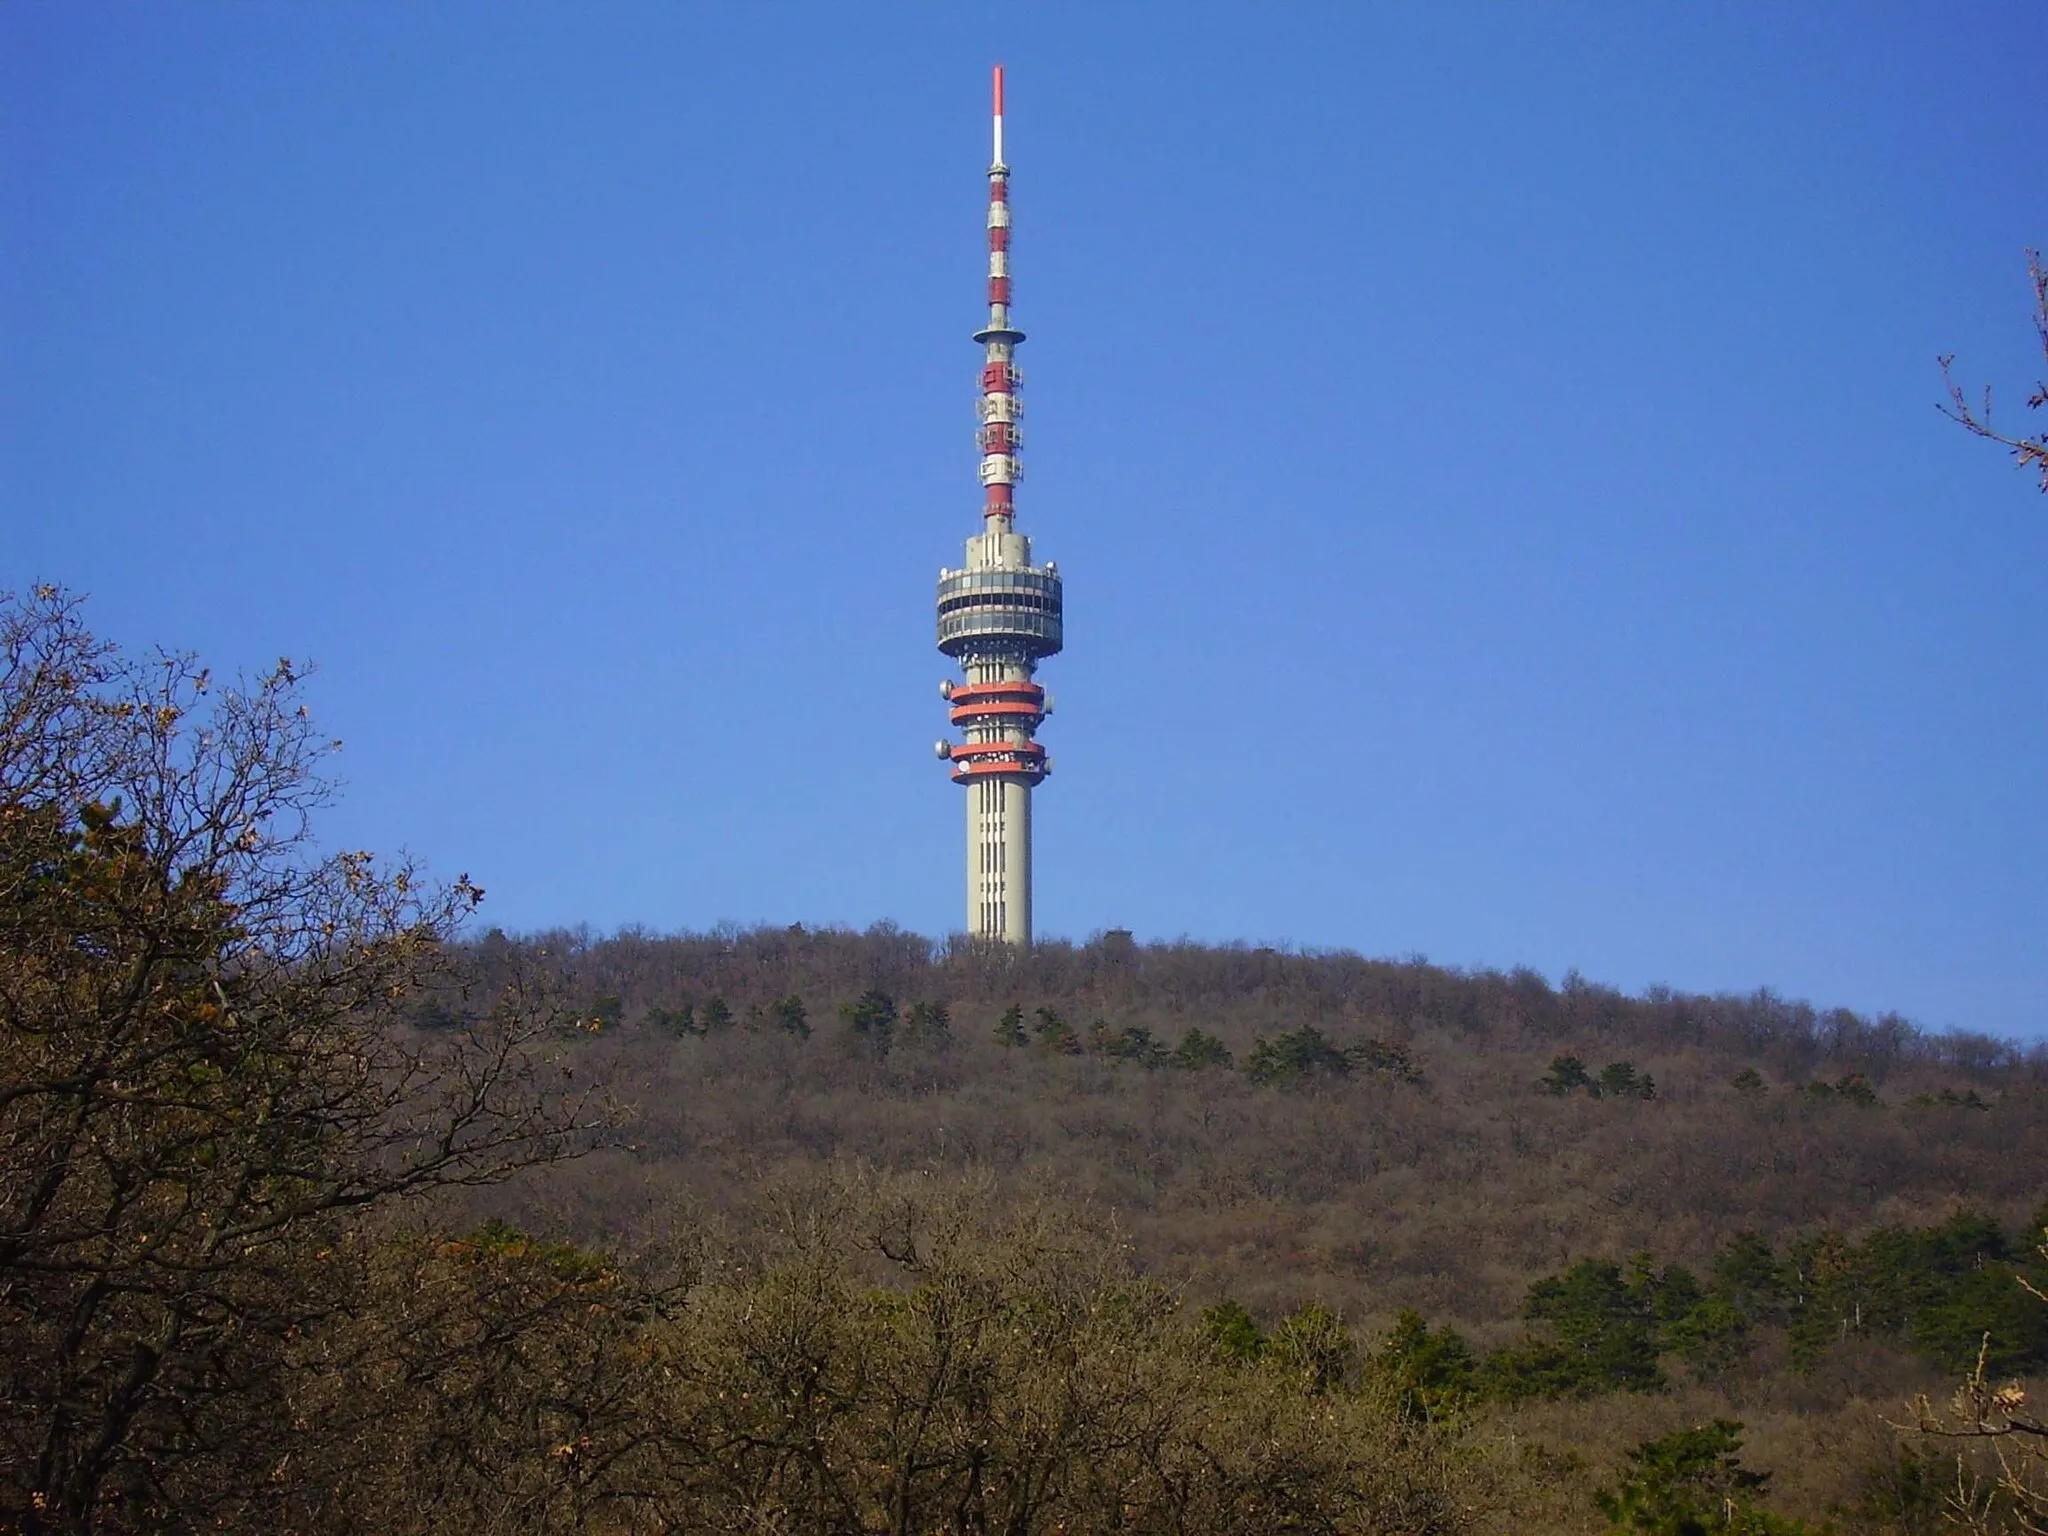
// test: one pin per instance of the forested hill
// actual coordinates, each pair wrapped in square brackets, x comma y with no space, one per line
[1591,1216]
[1375,1133]
[1254,988]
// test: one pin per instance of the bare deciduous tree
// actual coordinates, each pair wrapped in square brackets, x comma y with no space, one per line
[2027,452]
[205,1080]
[1998,1416]
[908,1354]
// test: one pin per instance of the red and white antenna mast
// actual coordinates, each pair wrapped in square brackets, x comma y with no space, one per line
[1001,411]
[999,616]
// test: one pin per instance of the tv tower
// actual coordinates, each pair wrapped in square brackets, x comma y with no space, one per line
[999,616]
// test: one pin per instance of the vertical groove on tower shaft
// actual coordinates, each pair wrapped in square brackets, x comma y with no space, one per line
[999,616]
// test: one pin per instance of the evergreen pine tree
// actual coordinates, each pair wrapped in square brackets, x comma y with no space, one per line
[1009,1029]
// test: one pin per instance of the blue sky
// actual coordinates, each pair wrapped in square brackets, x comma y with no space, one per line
[1491,450]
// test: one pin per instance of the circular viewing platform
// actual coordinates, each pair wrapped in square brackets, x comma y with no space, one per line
[1021,610]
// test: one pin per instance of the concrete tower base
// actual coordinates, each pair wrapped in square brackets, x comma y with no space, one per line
[999,860]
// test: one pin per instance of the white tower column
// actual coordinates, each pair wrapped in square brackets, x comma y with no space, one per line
[999,860]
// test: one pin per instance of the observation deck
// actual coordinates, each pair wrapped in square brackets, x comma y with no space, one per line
[1020,611]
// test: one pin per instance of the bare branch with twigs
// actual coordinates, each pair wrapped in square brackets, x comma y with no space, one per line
[2028,452]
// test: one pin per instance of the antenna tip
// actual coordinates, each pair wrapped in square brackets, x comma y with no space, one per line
[999,90]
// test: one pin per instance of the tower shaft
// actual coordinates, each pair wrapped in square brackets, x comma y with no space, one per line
[999,616]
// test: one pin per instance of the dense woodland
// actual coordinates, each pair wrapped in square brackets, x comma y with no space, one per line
[323,1211]
[1600,1215]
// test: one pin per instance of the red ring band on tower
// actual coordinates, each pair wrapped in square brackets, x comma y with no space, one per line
[1008,688]
[972,751]
[1027,714]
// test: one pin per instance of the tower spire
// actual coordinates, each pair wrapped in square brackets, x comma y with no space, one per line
[1001,432]
[997,114]
[999,616]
